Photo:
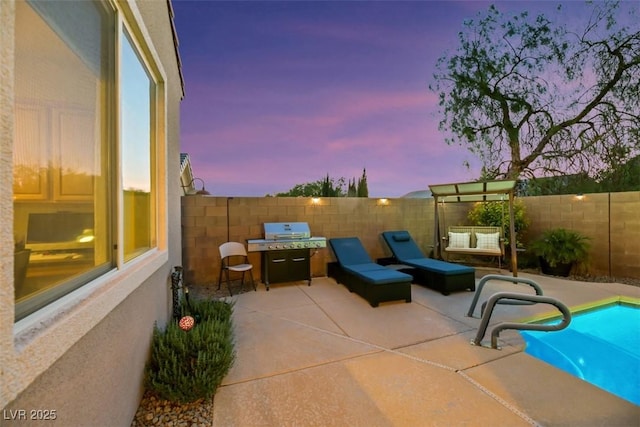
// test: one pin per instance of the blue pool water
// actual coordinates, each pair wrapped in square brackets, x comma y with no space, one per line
[600,346]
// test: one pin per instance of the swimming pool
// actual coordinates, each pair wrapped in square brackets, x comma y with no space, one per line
[601,346]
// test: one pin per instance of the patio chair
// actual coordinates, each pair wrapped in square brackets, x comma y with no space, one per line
[234,252]
[443,276]
[374,282]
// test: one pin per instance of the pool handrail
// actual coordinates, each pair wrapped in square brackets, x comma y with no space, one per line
[514,280]
[535,299]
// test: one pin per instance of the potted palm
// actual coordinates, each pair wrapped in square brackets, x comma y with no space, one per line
[559,250]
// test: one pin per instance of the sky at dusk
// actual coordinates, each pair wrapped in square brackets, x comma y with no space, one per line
[284,93]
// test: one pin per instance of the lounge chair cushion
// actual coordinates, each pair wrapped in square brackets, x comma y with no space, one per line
[441,267]
[374,282]
[406,249]
[349,251]
[379,275]
[362,268]
[441,275]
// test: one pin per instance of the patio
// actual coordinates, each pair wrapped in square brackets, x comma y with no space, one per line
[319,355]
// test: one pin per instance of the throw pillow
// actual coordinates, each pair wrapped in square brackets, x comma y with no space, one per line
[488,241]
[459,240]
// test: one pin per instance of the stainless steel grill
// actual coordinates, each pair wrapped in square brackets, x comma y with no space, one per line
[286,235]
[286,251]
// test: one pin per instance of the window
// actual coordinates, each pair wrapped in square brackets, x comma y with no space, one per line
[66,147]
[136,94]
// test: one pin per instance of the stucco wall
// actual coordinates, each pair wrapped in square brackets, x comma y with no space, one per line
[6,192]
[84,355]
[97,382]
[204,224]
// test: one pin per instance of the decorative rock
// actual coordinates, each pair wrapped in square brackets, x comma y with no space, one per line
[157,412]
[186,323]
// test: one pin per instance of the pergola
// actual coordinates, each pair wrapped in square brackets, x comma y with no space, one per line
[482,191]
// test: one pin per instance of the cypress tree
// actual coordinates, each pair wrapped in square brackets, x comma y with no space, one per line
[363,190]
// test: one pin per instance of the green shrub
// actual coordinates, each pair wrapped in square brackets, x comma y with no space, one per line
[189,365]
[561,246]
[211,310]
[496,214]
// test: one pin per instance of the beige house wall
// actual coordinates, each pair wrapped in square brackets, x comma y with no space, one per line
[205,226]
[83,356]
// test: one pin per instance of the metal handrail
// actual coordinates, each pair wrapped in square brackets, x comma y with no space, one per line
[515,280]
[534,299]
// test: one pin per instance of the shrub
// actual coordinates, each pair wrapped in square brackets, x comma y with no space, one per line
[561,246]
[187,366]
[496,214]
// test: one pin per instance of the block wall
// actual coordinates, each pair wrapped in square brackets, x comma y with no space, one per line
[612,221]
[205,226]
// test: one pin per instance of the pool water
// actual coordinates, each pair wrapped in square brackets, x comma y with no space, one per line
[600,346]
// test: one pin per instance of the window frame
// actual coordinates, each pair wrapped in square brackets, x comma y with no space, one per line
[125,17]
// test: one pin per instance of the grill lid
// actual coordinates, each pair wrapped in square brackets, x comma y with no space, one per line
[286,230]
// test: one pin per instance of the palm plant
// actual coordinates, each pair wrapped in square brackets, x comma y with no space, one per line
[559,246]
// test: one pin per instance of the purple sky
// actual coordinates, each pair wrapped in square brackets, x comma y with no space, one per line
[284,93]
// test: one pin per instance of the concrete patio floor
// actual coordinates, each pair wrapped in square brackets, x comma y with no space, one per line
[321,356]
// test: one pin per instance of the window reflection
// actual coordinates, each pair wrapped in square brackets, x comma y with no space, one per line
[62,237]
[137,153]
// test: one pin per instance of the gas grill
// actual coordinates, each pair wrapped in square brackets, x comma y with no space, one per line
[286,251]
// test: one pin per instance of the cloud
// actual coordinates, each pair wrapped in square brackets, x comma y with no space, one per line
[389,133]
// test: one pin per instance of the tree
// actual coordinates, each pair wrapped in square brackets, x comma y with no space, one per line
[351,189]
[328,190]
[621,177]
[326,187]
[363,188]
[532,97]
[496,214]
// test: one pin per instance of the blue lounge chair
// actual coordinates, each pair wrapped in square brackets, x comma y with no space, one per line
[374,282]
[443,276]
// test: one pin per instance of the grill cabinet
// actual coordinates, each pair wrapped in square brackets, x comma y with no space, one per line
[286,251]
[286,266]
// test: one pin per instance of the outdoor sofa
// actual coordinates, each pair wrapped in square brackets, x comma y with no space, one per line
[357,271]
[442,276]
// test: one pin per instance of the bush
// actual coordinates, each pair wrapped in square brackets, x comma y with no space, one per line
[187,366]
[496,214]
[561,246]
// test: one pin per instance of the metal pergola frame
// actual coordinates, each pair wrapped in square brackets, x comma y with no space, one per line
[479,191]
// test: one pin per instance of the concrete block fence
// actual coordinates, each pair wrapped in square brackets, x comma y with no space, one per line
[612,220]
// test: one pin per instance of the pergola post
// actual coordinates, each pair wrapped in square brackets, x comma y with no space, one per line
[512,237]
[437,251]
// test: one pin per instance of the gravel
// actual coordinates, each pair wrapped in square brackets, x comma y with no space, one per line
[154,411]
